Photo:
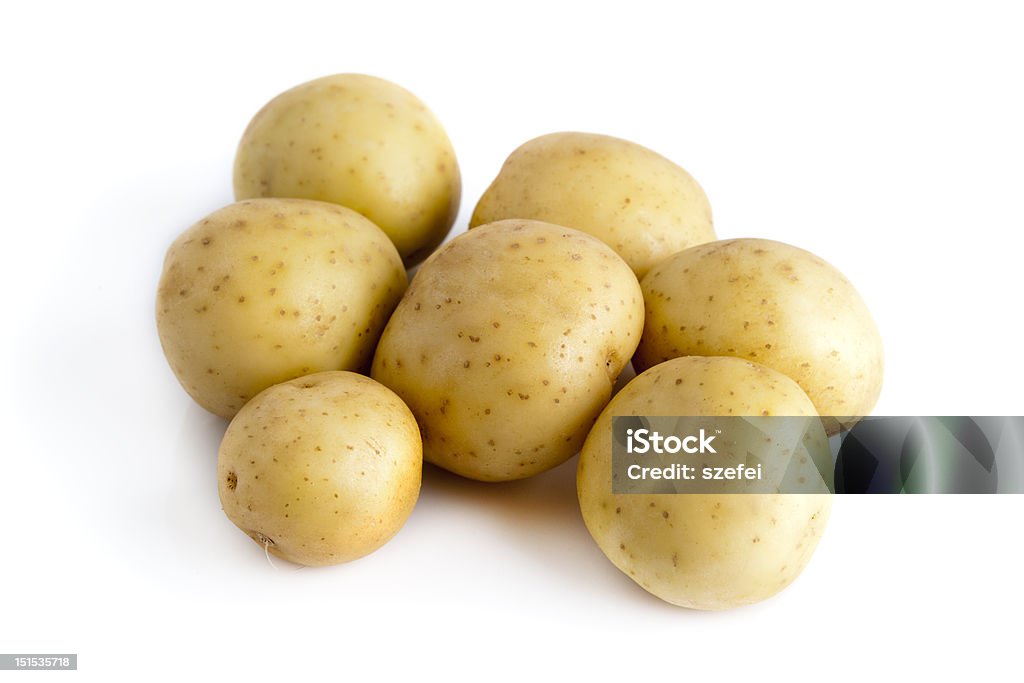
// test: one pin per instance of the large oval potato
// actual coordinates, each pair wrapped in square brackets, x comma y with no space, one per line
[703,551]
[362,142]
[771,303]
[266,290]
[636,201]
[322,469]
[507,345]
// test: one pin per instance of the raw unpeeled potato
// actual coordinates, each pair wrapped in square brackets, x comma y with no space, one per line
[322,469]
[771,303]
[704,551]
[362,142]
[507,344]
[636,201]
[266,290]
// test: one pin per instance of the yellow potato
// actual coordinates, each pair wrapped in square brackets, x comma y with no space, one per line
[266,290]
[362,142]
[634,200]
[703,551]
[507,345]
[322,469]
[771,303]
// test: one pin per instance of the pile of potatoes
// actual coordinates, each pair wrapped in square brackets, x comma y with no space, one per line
[289,313]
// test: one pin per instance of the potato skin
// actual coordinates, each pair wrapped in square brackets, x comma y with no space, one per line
[322,469]
[771,303]
[636,201]
[361,142]
[266,290]
[702,551]
[507,345]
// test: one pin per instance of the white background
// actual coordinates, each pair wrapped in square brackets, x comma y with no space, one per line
[885,137]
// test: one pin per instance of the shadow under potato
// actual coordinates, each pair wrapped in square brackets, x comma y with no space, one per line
[539,516]
[541,512]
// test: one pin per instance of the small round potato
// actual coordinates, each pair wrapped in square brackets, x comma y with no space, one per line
[703,551]
[507,345]
[322,469]
[362,142]
[770,303]
[636,201]
[266,290]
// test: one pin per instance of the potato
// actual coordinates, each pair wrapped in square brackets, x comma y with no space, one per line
[266,290]
[771,303]
[322,469]
[362,142]
[703,551]
[636,201]
[507,344]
